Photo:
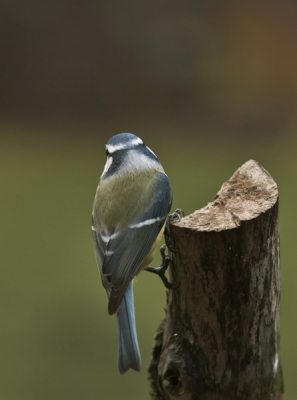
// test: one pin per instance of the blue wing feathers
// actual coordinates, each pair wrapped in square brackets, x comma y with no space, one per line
[123,275]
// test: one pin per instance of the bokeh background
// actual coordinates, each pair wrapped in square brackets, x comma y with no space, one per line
[207,85]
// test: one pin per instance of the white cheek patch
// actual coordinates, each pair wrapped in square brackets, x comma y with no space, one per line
[107,166]
[121,146]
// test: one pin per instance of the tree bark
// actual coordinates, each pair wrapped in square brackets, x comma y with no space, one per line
[220,336]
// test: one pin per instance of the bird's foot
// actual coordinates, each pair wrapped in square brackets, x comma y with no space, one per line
[160,271]
[176,215]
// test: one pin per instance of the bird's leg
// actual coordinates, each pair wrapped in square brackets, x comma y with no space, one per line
[160,271]
[177,214]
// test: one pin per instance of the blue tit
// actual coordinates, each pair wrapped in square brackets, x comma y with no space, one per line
[132,201]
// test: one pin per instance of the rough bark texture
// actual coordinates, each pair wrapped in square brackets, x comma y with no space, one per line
[220,336]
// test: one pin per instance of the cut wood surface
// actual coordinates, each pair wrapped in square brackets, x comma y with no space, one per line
[220,336]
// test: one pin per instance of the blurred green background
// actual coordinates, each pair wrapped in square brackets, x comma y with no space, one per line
[207,85]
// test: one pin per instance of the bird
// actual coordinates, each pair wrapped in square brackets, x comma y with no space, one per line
[131,205]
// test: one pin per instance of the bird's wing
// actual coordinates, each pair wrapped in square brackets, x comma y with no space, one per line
[100,240]
[120,254]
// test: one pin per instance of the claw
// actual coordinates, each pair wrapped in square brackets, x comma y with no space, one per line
[160,271]
[178,213]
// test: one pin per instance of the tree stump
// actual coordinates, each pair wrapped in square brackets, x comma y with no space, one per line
[220,336]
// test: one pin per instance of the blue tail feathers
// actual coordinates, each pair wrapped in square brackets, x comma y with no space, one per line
[129,355]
